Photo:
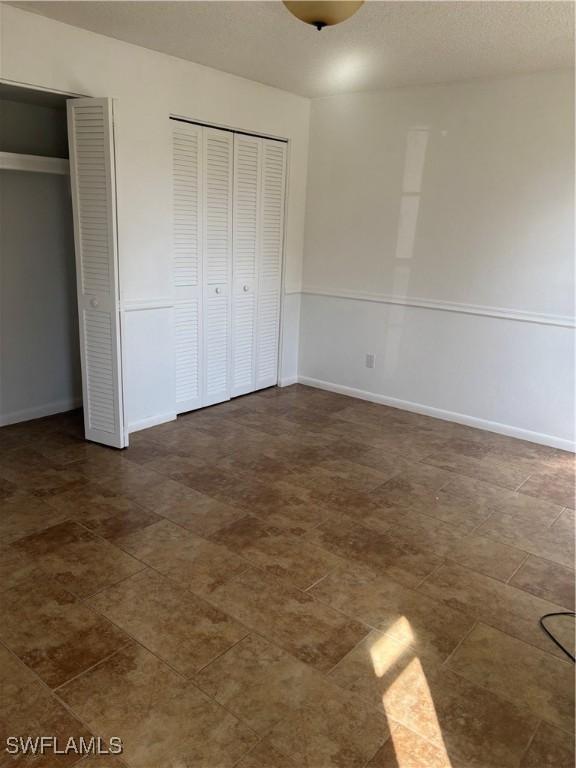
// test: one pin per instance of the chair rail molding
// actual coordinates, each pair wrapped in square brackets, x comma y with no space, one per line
[502,313]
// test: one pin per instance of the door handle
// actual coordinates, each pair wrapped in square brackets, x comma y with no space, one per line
[218,290]
[94,303]
[245,288]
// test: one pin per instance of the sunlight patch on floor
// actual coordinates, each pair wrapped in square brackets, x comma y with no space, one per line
[407,692]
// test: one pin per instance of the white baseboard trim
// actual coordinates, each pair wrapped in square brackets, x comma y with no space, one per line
[151,421]
[287,381]
[40,411]
[439,413]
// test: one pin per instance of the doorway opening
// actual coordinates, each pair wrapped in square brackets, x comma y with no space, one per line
[40,372]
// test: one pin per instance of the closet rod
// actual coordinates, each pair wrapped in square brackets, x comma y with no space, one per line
[229,130]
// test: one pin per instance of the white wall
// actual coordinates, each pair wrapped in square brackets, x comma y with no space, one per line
[439,235]
[150,86]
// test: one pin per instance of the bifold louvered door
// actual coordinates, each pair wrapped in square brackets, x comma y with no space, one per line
[93,182]
[247,177]
[187,159]
[228,199]
[271,239]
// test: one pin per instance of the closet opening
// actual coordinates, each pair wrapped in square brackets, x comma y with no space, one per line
[40,370]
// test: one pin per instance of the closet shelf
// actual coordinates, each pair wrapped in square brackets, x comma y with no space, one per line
[12,161]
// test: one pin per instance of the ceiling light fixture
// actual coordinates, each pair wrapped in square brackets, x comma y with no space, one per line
[324,13]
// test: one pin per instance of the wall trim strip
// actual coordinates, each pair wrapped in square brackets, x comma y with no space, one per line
[39,411]
[501,313]
[439,413]
[151,421]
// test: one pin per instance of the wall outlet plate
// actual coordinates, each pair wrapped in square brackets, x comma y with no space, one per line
[370,360]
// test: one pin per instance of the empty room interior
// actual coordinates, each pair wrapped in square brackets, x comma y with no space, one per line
[287,384]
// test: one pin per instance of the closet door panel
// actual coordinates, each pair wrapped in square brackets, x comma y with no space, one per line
[93,183]
[217,264]
[270,262]
[187,159]
[247,190]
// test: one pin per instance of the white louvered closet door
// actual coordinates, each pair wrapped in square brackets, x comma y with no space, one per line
[218,161]
[271,239]
[187,157]
[247,189]
[93,181]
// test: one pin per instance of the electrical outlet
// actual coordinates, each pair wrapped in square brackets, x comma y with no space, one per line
[370,360]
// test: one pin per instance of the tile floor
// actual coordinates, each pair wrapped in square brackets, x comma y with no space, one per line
[290,579]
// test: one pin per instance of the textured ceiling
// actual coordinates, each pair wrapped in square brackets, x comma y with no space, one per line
[385,44]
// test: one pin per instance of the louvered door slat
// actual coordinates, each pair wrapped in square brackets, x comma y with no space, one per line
[92,175]
[271,236]
[187,149]
[247,187]
[217,263]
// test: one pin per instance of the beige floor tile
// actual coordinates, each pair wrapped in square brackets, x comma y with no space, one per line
[361,476]
[550,748]
[305,716]
[79,561]
[184,557]
[333,491]
[451,508]
[490,469]
[314,633]
[27,708]
[23,514]
[101,511]
[264,755]
[200,514]
[379,553]
[406,749]
[556,486]
[277,552]
[518,672]
[16,567]
[53,632]
[500,605]
[152,493]
[492,558]
[452,542]
[431,629]
[168,619]
[547,580]
[526,509]
[469,723]
[553,542]
[161,719]
[101,761]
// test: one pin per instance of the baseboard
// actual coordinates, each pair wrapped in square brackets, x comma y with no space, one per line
[40,411]
[287,381]
[439,413]
[151,421]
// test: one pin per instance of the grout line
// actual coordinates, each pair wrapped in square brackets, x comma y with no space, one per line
[49,690]
[91,667]
[530,741]
[509,579]
[465,637]
[434,570]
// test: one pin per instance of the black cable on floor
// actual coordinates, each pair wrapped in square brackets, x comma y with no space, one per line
[551,636]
